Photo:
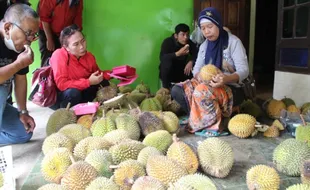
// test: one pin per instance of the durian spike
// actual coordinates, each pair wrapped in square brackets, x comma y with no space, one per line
[129,106]
[68,106]
[113,166]
[103,113]
[175,138]
[130,181]
[303,120]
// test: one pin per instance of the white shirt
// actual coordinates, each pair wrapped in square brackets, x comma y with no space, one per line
[234,55]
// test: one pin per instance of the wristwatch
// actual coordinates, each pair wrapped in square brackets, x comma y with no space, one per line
[23,112]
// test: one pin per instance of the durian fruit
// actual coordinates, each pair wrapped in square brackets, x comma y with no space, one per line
[172,106]
[126,150]
[305,172]
[86,121]
[127,173]
[251,108]
[75,132]
[164,169]
[302,133]
[163,91]
[102,183]
[278,124]
[113,85]
[242,125]
[162,98]
[150,104]
[288,101]
[1,179]
[115,102]
[289,156]
[208,71]
[102,126]
[143,88]
[60,118]
[305,108]
[183,154]
[293,109]
[106,93]
[299,187]
[116,136]
[125,89]
[99,112]
[215,157]
[149,123]
[135,112]
[57,140]
[55,163]
[272,131]
[147,183]
[101,160]
[113,113]
[193,181]
[78,176]
[136,97]
[274,108]
[51,186]
[160,139]
[170,120]
[261,177]
[85,146]
[147,152]
[129,124]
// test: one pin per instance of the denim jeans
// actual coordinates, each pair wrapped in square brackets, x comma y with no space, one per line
[12,130]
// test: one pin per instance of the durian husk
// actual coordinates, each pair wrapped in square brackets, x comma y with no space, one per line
[263,177]
[242,125]
[272,131]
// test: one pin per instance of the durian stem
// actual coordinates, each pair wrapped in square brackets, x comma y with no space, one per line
[303,120]
[68,106]
[72,159]
[129,106]
[113,167]
[175,138]
[103,113]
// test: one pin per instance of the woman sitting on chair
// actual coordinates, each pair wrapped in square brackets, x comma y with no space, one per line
[208,103]
[76,73]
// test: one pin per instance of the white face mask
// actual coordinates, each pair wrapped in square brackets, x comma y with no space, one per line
[9,43]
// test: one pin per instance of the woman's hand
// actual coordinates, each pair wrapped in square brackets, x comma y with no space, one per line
[95,78]
[218,80]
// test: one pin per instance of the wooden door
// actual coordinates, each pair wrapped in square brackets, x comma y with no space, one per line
[235,14]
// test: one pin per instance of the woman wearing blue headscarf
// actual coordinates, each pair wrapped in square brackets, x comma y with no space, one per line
[207,104]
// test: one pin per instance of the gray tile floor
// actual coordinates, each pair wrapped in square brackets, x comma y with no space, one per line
[247,152]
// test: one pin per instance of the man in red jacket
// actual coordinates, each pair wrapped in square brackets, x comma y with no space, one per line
[55,15]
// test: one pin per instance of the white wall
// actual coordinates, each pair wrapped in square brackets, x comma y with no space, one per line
[292,85]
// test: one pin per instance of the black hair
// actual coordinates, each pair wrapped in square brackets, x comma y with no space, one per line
[67,32]
[181,28]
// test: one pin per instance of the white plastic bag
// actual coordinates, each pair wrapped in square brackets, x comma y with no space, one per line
[6,168]
[197,36]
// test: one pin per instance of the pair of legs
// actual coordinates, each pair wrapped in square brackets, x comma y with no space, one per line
[12,130]
[206,106]
[45,53]
[75,96]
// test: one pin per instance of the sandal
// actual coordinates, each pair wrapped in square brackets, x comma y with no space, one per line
[211,133]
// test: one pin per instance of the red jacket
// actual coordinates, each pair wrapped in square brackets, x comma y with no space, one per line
[72,73]
[61,15]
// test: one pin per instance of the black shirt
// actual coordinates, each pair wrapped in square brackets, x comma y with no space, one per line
[171,68]
[7,57]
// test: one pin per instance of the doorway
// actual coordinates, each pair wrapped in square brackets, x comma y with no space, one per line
[265,47]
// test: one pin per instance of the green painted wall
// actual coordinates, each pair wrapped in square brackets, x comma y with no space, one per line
[122,32]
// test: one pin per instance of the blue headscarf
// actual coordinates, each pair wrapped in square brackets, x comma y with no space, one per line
[214,52]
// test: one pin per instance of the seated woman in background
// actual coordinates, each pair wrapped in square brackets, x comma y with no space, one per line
[76,73]
[208,103]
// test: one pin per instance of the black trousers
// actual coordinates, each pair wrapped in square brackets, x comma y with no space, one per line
[178,95]
[75,96]
[45,53]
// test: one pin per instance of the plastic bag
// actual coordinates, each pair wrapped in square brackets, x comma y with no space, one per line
[197,36]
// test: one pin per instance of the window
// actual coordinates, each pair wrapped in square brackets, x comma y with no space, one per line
[293,36]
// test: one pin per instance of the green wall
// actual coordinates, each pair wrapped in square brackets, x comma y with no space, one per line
[122,32]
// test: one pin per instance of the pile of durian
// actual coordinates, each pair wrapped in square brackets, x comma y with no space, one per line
[132,143]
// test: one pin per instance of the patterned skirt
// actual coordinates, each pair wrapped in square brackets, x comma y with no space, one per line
[207,105]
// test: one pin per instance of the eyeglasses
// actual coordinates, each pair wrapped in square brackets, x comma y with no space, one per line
[29,36]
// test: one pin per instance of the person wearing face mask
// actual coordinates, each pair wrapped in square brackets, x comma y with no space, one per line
[76,73]
[177,57]
[18,29]
[208,104]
